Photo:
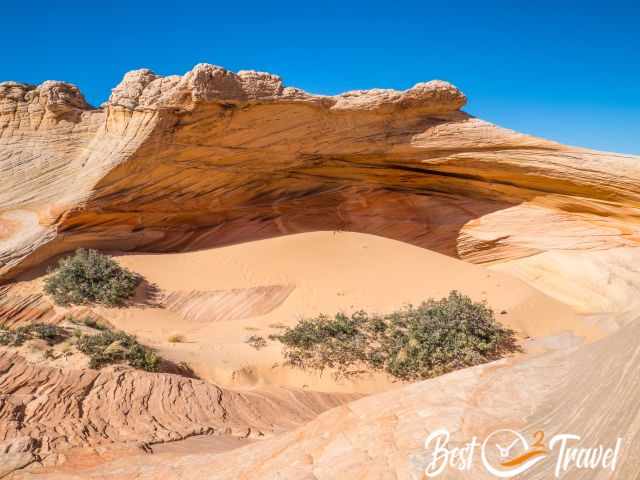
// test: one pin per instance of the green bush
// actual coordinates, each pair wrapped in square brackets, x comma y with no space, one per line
[93,323]
[12,338]
[51,334]
[105,348]
[86,321]
[90,277]
[256,341]
[421,342]
[109,347]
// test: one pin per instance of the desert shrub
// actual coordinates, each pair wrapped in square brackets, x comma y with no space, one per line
[256,341]
[93,323]
[420,342]
[12,338]
[86,321]
[88,277]
[143,358]
[176,338]
[109,347]
[324,342]
[51,334]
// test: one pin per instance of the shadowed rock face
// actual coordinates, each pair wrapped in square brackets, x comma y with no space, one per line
[214,157]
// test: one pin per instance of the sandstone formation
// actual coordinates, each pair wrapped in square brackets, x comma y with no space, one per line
[591,392]
[212,158]
[18,307]
[45,412]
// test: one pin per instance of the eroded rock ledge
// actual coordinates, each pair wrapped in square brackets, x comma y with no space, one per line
[216,157]
[46,411]
[213,84]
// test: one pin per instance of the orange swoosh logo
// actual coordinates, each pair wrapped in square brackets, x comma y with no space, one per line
[523,458]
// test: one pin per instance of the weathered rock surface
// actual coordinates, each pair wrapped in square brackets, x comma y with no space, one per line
[45,412]
[18,307]
[590,392]
[214,157]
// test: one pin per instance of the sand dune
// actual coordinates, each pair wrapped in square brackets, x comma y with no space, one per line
[320,272]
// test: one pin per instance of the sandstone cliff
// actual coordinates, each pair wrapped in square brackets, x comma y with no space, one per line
[214,157]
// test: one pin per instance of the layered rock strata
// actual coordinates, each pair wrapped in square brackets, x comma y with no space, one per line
[214,157]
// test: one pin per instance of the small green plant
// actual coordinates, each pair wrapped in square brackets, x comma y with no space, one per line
[87,322]
[413,343]
[257,342]
[279,326]
[51,334]
[11,338]
[176,338]
[89,277]
[104,348]
[109,347]
[93,323]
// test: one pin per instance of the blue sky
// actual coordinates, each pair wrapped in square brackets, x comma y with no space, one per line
[564,70]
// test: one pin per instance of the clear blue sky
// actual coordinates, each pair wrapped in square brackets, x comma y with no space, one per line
[564,70]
